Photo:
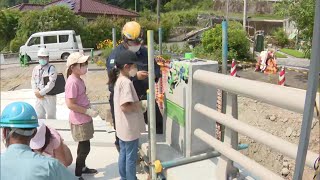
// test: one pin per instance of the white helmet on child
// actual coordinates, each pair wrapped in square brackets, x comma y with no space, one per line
[43,52]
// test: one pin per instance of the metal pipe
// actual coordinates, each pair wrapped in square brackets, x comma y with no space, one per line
[114,38]
[99,103]
[232,109]
[285,147]
[160,41]
[224,46]
[244,14]
[250,165]
[158,12]
[183,161]
[151,100]
[224,66]
[313,82]
[288,98]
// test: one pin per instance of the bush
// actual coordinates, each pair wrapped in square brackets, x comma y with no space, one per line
[100,29]
[181,18]
[16,43]
[281,37]
[147,24]
[106,52]
[238,44]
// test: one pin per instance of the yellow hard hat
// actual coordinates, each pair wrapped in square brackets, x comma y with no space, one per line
[132,30]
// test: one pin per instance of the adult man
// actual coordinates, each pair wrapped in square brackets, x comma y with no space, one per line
[132,40]
[19,122]
[45,104]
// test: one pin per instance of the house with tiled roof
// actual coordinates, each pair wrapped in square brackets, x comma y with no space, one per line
[86,8]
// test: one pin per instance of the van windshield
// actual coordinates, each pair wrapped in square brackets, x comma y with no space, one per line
[34,41]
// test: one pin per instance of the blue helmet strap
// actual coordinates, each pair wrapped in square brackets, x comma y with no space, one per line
[23,132]
[18,131]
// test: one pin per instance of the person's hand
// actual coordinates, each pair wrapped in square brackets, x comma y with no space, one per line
[37,94]
[144,105]
[92,113]
[142,75]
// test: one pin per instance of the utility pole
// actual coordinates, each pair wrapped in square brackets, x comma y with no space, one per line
[244,14]
[135,5]
[158,13]
[313,83]
[227,15]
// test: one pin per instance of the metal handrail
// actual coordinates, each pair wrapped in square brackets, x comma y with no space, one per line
[254,167]
[256,90]
[285,147]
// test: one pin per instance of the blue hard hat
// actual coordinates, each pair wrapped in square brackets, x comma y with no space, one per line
[19,115]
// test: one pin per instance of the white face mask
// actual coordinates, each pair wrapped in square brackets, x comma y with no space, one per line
[133,72]
[134,48]
[83,70]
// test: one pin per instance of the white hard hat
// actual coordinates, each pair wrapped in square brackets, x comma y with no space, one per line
[43,52]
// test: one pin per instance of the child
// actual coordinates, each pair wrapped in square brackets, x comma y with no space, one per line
[81,114]
[128,112]
[48,142]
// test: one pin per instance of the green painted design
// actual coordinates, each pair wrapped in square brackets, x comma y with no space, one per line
[175,112]
[179,71]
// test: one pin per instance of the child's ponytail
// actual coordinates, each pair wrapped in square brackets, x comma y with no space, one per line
[113,75]
[69,71]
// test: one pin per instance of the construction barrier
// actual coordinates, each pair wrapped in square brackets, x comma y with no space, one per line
[282,78]
[233,71]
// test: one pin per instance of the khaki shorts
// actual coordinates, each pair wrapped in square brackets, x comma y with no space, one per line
[82,132]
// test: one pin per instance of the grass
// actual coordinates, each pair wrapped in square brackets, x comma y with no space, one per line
[292,52]
[279,55]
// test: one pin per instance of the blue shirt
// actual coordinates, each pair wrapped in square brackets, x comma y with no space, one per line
[19,162]
[140,86]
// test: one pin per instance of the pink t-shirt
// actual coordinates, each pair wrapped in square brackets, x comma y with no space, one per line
[55,142]
[129,125]
[75,88]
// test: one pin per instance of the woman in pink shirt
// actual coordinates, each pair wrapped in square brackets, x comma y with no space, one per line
[48,142]
[81,114]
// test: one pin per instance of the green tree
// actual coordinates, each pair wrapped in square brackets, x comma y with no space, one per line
[302,13]
[238,44]
[51,19]
[9,20]
[100,29]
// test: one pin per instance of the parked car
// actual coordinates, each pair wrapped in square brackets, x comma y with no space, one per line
[60,44]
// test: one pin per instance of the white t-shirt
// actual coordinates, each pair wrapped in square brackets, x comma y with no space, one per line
[129,125]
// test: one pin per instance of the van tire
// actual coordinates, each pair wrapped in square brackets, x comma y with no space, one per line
[65,56]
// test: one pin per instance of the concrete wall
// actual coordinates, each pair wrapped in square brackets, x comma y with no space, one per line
[254,6]
[186,94]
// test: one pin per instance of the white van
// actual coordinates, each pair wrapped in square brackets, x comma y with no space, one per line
[58,43]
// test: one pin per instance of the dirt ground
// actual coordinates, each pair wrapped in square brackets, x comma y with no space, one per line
[279,122]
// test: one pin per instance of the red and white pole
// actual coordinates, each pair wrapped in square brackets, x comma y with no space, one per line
[282,78]
[233,71]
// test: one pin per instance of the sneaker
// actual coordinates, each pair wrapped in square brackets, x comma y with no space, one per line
[81,178]
[86,170]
